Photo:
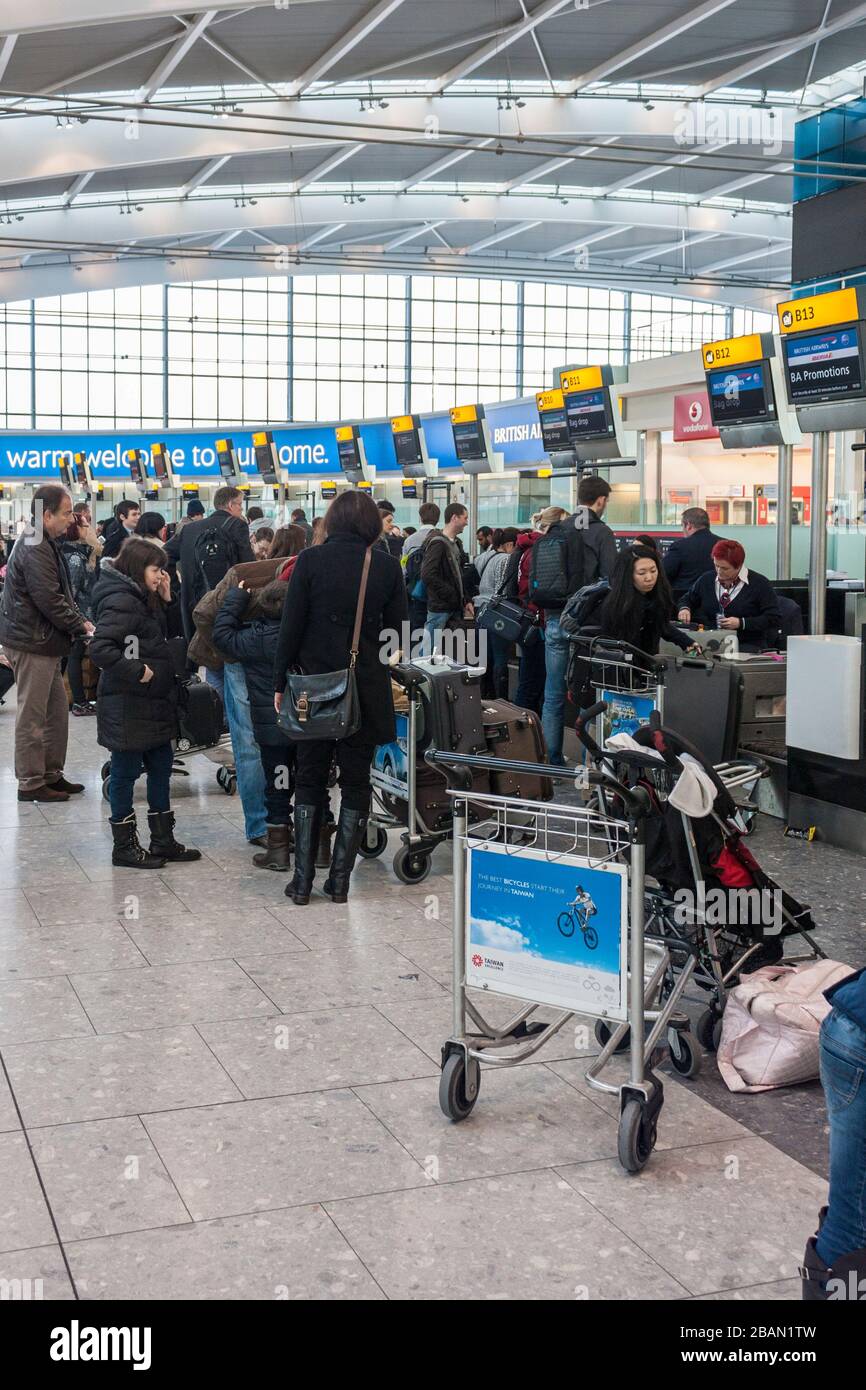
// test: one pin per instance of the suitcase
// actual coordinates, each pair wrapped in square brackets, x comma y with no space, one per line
[7,680]
[515,734]
[702,703]
[200,716]
[451,701]
[432,801]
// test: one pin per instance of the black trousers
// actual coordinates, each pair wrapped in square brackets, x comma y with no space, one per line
[354,756]
[278,764]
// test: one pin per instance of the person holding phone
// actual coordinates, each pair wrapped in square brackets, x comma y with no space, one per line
[136,702]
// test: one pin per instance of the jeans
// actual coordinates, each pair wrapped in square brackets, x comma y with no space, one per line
[531,676]
[217,679]
[843,1076]
[556,660]
[354,756]
[126,768]
[248,764]
[436,622]
[278,767]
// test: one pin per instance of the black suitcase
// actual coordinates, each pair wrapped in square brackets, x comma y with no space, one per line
[200,716]
[452,704]
[7,680]
[515,734]
[702,702]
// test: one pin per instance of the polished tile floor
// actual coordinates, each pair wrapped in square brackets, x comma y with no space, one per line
[209,1093]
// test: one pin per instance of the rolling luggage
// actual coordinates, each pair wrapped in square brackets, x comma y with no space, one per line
[451,700]
[200,715]
[515,734]
[702,701]
[7,680]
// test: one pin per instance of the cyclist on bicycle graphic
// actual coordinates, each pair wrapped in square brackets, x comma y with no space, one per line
[580,909]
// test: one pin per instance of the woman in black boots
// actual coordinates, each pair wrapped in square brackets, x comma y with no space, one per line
[254,645]
[136,701]
[315,637]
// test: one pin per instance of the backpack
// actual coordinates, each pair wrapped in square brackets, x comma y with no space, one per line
[579,606]
[415,586]
[549,579]
[214,554]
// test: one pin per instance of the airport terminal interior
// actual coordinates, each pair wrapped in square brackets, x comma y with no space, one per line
[432,610]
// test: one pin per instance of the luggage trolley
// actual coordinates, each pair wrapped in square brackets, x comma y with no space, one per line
[631,683]
[570,881]
[395,802]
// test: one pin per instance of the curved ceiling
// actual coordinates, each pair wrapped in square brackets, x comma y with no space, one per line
[640,142]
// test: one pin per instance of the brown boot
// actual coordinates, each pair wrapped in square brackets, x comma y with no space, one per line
[278,854]
[323,853]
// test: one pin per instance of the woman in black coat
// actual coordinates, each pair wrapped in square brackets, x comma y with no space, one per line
[136,701]
[315,637]
[733,597]
[254,645]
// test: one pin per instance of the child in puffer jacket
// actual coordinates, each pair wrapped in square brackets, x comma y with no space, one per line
[254,645]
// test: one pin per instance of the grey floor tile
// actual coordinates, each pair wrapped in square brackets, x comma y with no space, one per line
[33,868]
[717,1216]
[33,1010]
[24,1218]
[360,922]
[522,1237]
[208,936]
[80,1079]
[230,1159]
[782,1291]
[433,956]
[105,1178]
[36,1275]
[335,978]
[314,1051]
[15,910]
[524,1118]
[428,1023]
[685,1118]
[279,1255]
[209,890]
[141,897]
[8,1114]
[165,995]
[31,949]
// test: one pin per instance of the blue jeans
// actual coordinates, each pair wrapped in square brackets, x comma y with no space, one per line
[248,763]
[126,768]
[556,661]
[843,1076]
[217,680]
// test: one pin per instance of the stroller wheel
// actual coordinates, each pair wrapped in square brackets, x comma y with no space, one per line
[105,770]
[685,1057]
[708,1030]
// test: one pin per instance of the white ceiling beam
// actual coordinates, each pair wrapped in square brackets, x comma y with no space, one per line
[6,50]
[77,187]
[783,50]
[657,252]
[73,14]
[412,233]
[494,46]
[765,253]
[621,57]
[496,237]
[343,46]
[224,239]
[175,56]
[588,240]
[552,165]
[446,162]
[324,234]
[238,63]
[332,162]
[724,190]
[644,175]
[206,172]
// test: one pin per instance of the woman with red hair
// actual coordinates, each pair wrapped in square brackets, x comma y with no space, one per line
[735,598]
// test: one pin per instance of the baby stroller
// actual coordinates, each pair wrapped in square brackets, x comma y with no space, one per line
[712,900]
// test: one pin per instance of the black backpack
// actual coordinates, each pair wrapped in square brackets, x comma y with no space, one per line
[214,553]
[549,580]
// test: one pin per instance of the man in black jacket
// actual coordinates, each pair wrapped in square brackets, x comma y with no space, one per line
[126,517]
[442,571]
[691,555]
[38,624]
[233,545]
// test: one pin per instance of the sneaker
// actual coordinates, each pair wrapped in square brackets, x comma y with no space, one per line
[80,710]
[44,794]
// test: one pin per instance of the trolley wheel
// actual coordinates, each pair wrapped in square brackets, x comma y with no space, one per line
[590,938]
[368,851]
[603,1032]
[452,1089]
[636,1137]
[105,770]
[685,1057]
[228,780]
[708,1030]
[105,783]
[410,865]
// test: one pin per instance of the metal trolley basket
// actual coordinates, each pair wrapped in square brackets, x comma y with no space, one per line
[551,845]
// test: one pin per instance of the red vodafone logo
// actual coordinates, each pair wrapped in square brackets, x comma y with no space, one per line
[696,412]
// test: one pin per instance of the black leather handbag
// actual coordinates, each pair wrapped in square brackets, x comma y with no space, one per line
[326,706]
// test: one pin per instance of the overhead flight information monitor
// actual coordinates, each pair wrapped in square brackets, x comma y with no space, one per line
[739,395]
[555,435]
[329,491]
[349,450]
[587,405]
[230,470]
[266,457]
[137,468]
[81,469]
[826,365]
[408,444]
[64,463]
[467,427]
[162,469]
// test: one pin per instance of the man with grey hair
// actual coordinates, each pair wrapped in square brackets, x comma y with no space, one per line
[691,555]
[38,624]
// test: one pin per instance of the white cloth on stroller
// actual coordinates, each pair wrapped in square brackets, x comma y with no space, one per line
[694,790]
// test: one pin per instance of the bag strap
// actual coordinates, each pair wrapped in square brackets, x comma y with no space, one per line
[359,611]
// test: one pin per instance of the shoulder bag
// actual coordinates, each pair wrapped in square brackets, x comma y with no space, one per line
[326,706]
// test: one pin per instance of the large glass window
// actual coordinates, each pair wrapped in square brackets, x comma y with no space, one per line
[349,346]
[15,377]
[661,325]
[464,340]
[751,321]
[570,324]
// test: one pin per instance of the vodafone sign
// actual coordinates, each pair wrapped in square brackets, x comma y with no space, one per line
[692,419]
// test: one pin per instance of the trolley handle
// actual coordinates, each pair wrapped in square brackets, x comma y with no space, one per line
[677,745]
[615,649]
[457,768]
[585,718]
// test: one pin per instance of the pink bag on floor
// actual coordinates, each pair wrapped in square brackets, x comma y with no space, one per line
[771,1023]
